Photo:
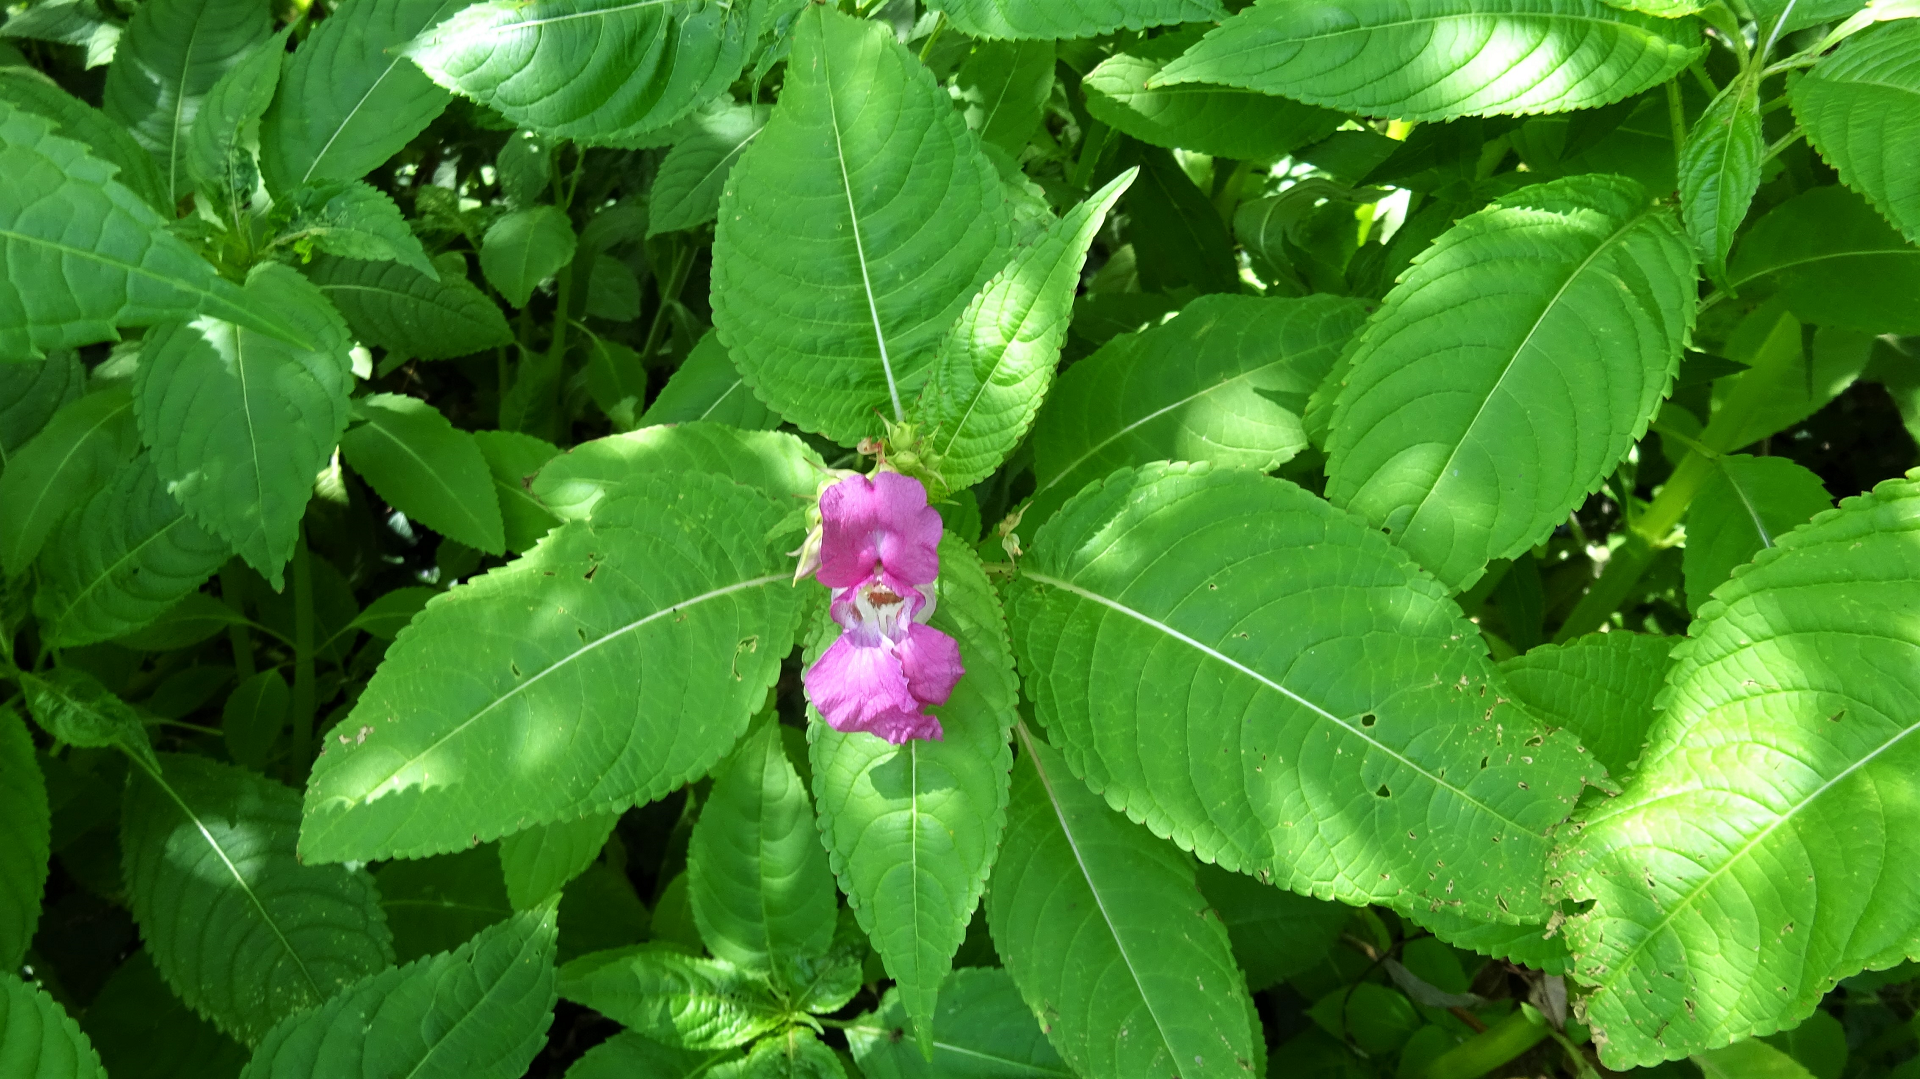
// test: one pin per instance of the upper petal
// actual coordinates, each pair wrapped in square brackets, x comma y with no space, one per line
[884,519]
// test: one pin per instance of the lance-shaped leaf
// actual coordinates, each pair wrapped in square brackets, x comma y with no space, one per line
[355,221]
[1510,370]
[38,1039]
[1109,940]
[75,119]
[1601,687]
[122,560]
[239,422]
[348,100]
[1006,85]
[244,932]
[58,469]
[852,232]
[405,311]
[1019,19]
[794,1053]
[1760,854]
[627,1054]
[686,192]
[594,71]
[524,248]
[1861,109]
[480,1011]
[761,892]
[1219,120]
[1438,59]
[426,468]
[33,393]
[1744,509]
[1247,367]
[1834,261]
[1720,171]
[1372,758]
[515,459]
[708,386]
[672,997]
[615,661]
[173,53]
[982,1028]
[997,361]
[75,708]
[913,829]
[63,218]
[1528,945]
[540,860]
[219,156]
[784,467]
[24,839]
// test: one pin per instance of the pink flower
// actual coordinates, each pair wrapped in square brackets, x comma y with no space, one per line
[879,541]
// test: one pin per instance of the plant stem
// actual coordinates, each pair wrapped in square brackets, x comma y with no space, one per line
[1677,117]
[1782,143]
[237,631]
[669,295]
[303,703]
[933,35]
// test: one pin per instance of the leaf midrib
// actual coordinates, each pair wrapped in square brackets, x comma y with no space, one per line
[1229,661]
[378,788]
[887,1033]
[79,444]
[859,245]
[453,496]
[106,574]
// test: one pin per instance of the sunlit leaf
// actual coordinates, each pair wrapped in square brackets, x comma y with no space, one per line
[982,1030]
[1720,171]
[709,387]
[609,665]
[540,860]
[1601,687]
[1744,509]
[1018,19]
[1219,120]
[672,997]
[426,468]
[1755,859]
[352,220]
[1834,261]
[75,119]
[686,192]
[407,312]
[779,464]
[1861,109]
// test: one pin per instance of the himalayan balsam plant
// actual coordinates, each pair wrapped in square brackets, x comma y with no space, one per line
[983,539]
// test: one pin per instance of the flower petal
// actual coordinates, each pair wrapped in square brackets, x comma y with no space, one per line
[883,519]
[853,683]
[931,661]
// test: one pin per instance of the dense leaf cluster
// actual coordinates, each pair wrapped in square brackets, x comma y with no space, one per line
[1387,453]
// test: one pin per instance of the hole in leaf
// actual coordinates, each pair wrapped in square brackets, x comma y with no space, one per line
[1483,762]
[1383,792]
[1369,720]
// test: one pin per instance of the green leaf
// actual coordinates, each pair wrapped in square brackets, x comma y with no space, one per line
[122,560]
[594,71]
[245,933]
[1785,382]
[426,468]
[524,167]
[762,894]
[240,423]
[480,1011]
[173,53]
[1236,397]
[524,248]
[27,89]
[1275,933]
[1528,945]
[672,997]
[1754,860]
[32,393]
[596,640]
[75,708]
[601,910]
[626,1055]
[68,22]
[349,100]
[794,1053]
[38,1040]
[128,271]
[1412,782]
[1601,687]
[24,839]
[996,362]
[390,613]
[1438,59]
[1510,370]
[143,1031]
[708,386]
[1108,939]
[1005,86]
[435,904]
[1178,237]
[542,859]
[1834,261]
[686,190]
[254,716]
[613,290]
[355,221]
[913,829]
[782,466]
[1720,171]
[982,1030]
[1218,120]
[1748,504]
[1861,109]
[1015,19]
[1749,1060]
[852,232]
[219,151]
[515,459]
[407,312]
[58,469]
